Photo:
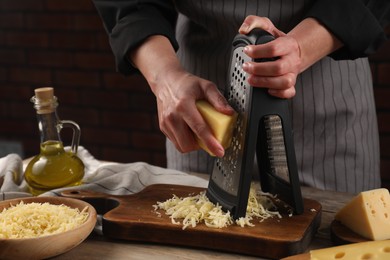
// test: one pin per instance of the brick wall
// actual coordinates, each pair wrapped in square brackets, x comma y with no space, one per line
[62,44]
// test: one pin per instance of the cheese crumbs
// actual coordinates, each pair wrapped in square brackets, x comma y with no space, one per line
[198,209]
[30,220]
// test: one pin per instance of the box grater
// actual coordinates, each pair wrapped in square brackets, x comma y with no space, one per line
[263,127]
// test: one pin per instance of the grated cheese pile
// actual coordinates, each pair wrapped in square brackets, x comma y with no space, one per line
[198,208]
[30,220]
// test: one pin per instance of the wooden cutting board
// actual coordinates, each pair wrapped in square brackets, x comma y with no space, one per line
[132,217]
[341,234]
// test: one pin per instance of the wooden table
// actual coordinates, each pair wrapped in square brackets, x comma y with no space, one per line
[98,247]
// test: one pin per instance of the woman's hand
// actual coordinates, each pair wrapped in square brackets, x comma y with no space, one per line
[177,91]
[305,44]
[179,118]
[279,75]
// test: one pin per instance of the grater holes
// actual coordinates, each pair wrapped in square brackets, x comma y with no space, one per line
[226,172]
[221,169]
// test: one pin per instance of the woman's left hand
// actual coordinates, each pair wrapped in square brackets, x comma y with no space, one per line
[279,75]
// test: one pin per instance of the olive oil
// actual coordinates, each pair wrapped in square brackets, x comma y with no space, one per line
[54,167]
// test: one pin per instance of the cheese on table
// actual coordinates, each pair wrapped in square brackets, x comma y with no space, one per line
[368,214]
[221,125]
[379,250]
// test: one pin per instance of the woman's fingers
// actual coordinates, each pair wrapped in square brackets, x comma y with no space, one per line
[180,119]
[276,82]
[283,93]
[275,64]
[264,23]
[279,47]
[201,129]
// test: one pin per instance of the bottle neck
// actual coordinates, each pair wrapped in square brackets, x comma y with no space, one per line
[48,121]
[49,128]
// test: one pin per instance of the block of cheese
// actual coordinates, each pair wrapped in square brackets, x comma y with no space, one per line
[221,125]
[358,251]
[368,214]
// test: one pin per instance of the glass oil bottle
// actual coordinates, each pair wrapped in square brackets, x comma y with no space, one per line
[54,167]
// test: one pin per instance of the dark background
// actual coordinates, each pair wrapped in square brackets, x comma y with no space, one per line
[62,44]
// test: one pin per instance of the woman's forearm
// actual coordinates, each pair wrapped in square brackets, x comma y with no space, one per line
[176,92]
[155,59]
[314,40]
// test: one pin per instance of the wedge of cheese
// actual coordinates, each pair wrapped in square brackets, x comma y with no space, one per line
[368,214]
[379,250]
[221,125]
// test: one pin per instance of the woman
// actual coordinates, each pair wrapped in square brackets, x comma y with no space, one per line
[322,67]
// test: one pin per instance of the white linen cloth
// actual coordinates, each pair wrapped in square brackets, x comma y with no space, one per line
[110,178]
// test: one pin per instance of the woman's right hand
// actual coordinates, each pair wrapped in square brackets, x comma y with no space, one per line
[178,116]
[177,91]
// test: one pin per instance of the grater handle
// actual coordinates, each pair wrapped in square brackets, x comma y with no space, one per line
[286,181]
[254,37]
[261,36]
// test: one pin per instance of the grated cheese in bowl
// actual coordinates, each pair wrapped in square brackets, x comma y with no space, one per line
[31,220]
[196,209]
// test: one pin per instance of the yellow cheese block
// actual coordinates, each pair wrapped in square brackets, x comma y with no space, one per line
[221,125]
[379,250]
[368,214]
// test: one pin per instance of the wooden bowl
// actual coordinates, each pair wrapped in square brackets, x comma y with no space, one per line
[51,245]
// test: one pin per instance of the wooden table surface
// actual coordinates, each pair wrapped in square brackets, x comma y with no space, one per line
[97,246]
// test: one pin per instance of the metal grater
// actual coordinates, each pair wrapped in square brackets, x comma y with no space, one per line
[263,126]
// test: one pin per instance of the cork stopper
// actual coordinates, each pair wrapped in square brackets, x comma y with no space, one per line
[44,100]
[44,94]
